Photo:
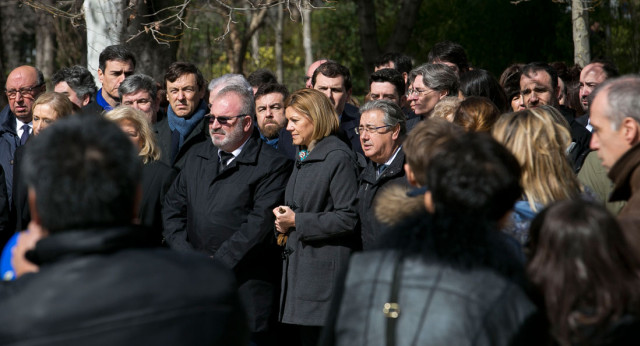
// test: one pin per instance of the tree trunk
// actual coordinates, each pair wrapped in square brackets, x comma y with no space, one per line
[368,34]
[45,43]
[408,15]
[279,42]
[306,35]
[580,20]
[105,27]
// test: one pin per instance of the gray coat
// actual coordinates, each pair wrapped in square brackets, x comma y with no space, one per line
[322,192]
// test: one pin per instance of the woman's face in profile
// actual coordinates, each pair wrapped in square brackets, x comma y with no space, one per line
[300,126]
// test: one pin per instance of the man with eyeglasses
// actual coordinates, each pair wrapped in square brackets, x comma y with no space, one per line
[220,204]
[429,83]
[382,129]
[24,85]
[184,126]
[139,91]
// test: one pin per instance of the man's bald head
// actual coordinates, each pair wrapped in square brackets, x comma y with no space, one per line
[24,84]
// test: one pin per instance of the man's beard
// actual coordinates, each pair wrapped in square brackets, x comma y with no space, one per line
[270,132]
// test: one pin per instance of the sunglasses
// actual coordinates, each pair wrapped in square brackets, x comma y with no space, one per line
[222,120]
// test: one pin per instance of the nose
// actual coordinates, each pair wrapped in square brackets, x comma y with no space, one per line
[289,126]
[19,96]
[181,95]
[267,113]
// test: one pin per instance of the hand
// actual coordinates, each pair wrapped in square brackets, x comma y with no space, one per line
[285,219]
[26,241]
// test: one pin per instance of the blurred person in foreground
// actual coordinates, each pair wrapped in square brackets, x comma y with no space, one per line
[86,274]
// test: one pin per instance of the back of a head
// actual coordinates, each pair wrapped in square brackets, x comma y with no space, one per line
[476,114]
[596,277]
[85,173]
[446,108]
[480,82]
[473,178]
[539,139]
[423,139]
[401,62]
[447,51]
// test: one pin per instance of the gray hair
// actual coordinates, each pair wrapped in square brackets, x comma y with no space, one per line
[246,97]
[437,77]
[229,79]
[623,98]
[393,114]
[137,82]
[79,79]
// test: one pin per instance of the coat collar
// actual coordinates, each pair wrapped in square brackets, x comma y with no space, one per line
[395,169]
[326,145]
[625,176]
[89,241]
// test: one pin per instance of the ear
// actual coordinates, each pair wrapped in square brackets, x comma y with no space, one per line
[35,216]
[247,127]
[349,93]
[630,131]
[443,93]
[86,100]
[405,76]
[558,92]
[396,133]
[428,202]
[100,76]
[411,178]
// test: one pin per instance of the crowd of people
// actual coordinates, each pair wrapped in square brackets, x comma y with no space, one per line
[451,207]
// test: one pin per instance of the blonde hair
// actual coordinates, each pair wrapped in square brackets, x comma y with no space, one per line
[446,108]
[150,150]
[539,138]
[60,103]
[317,107]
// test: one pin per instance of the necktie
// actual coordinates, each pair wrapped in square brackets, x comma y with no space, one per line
[25,134]
[224,160]
[381,169]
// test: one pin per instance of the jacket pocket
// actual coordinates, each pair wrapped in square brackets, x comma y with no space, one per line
[316,282]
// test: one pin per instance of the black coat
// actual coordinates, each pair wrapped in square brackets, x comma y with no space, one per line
[349,120]
[156,180]
[108,287]
[20,213]
[229,216]
[367,191]
[199,134]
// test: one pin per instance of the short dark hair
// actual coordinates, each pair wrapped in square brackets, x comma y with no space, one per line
[450,52]
[180,68]
[473,175]
[542,66]
[479,82]
[270,88]
[79,79]
[116,52]
[333,69]
[137,82]
[85,173]
[609,68]
[389,75]
[401,62]
[261,76]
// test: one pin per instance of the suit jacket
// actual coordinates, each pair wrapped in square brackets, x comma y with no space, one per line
[228,216]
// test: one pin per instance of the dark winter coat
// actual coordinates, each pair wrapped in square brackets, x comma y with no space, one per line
[109,287]
[229,217]
[163,136]
[322,192]
[447,295]
[9,141]
[156,180]
[367,191]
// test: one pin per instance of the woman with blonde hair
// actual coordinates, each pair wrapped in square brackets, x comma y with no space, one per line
[320,215]
[156,176]
[539,138]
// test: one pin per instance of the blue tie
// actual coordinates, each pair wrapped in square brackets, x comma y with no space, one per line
[381,169]
[25,134]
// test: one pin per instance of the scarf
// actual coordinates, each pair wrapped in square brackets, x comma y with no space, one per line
[185,126]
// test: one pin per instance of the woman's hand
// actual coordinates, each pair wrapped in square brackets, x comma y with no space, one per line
[285,219]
